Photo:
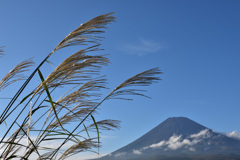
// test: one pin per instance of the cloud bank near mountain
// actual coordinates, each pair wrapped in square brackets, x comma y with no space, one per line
[234,134]
[177,141]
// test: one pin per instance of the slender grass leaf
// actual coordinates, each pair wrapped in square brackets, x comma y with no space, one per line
[95,123]
[49,97]
[26,97]
[86,130]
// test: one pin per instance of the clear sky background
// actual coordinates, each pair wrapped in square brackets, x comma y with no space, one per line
[195,43]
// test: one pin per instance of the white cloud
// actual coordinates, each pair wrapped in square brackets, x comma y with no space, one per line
[234,134]
[176,141]
[157,145]
[120,154]
[142,47]
[137,152]
[202,134]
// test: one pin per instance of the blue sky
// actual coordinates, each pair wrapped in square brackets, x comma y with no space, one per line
[195,43]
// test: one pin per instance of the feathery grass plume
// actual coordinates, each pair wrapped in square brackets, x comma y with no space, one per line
[87,33]
[107,124]
[145,78]
[16,74]
[77,148]
[75,69]
[69,120]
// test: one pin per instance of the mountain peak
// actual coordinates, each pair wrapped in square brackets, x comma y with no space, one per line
[177,118]
[177,136]
[180,119]
[179,126]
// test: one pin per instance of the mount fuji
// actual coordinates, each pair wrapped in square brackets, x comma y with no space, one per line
[179,138]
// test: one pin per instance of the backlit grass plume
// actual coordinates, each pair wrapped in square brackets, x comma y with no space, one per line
[15,74]
[55,119]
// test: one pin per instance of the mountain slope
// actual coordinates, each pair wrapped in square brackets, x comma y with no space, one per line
[178,137]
